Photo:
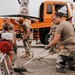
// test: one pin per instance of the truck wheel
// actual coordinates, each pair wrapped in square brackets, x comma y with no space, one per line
[47,39]
[43,33]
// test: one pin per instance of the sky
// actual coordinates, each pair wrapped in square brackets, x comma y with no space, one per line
[13,7]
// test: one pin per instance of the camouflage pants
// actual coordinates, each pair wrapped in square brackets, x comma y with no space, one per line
[27,45]
[66,55]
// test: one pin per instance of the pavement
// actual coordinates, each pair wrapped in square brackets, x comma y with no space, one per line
[45,66]
[36,48]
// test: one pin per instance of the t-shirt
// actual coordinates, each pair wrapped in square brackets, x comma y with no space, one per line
[53,28]
[11,26]
[25,27]
[66,30]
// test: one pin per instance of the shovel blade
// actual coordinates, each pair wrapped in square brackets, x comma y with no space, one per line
[20,69]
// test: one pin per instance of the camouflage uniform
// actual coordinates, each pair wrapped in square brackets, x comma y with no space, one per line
[11,28]
[67,54]
[29,38]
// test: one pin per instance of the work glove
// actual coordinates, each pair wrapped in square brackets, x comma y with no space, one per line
[46,47]
[25,39]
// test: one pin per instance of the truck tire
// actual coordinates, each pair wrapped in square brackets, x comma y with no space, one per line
[43,33]
[47,37]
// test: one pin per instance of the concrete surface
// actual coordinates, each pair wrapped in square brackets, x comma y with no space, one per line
[44,66]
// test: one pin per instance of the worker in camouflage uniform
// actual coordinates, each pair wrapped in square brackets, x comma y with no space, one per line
[27,37]
[65,31]
[11,28]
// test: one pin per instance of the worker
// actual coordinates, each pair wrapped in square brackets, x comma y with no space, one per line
[7,29]
[69,19]
[19,35]
[11,27]
[27,37]
[65,31]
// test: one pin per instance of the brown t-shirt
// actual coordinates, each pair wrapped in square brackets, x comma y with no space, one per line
[11,26]
[66,30]
[53,28]
[25,27]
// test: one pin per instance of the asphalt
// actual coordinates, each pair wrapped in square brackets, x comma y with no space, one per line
[45,66]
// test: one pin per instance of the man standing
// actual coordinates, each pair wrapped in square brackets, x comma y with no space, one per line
[27,37]
[65,31]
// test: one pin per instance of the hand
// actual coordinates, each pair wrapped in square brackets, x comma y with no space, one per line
[49,34]
[46,47]
[25,39]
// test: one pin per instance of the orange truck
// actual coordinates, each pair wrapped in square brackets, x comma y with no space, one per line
[42,26]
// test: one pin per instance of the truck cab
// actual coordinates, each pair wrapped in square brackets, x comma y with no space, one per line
[46,11]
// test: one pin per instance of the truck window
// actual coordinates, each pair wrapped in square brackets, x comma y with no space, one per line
[49,8]
[63,9]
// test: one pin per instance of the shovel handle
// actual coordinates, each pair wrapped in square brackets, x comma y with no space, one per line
[34,57]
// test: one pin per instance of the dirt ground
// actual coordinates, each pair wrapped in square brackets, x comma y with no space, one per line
[43,67]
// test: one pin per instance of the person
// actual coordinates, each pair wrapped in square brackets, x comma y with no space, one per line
[19,35]
[27,37]
[6,29]
[69,19]
[11,28]
[65,31]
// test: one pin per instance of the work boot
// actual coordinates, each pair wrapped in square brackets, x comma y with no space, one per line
[26,55]
[72,68]
[61,70]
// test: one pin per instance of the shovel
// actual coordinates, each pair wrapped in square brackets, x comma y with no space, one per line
[22,69]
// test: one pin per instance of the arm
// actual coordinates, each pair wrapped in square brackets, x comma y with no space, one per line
[50,31]
[27,34]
